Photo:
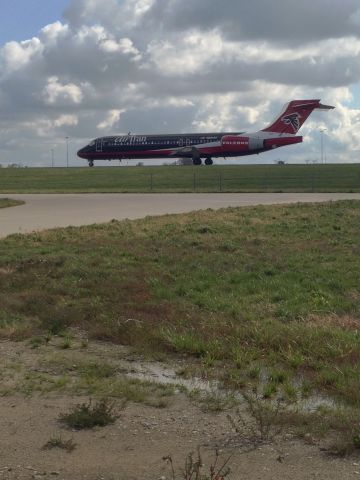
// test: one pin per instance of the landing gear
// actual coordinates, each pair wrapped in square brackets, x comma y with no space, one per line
[198,161]
[91,163]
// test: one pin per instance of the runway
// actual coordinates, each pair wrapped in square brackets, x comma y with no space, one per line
[43,211]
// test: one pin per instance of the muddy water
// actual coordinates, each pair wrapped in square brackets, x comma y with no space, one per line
[158,372]
[163,374]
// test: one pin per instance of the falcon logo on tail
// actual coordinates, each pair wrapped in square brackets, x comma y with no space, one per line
[292,119]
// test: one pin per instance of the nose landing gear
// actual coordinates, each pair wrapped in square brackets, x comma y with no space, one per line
[91,163]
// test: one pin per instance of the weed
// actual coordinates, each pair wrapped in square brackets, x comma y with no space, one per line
[356,440]
[98,370]
[66,343]
[36,342]
[264,419]
[269,389]
[213,401]
[347,437]
[58,442]
[194,468]
[254,372]
[86,415]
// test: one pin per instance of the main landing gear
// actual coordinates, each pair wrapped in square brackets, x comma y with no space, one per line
[208,161]
[91,163]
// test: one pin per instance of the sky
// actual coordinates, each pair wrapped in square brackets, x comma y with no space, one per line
[88,68]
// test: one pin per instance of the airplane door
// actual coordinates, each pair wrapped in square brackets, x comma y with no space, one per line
[188,142]
[99,144]
[181,142]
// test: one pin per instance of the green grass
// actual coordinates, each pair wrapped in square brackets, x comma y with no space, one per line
[228,178]
[251,295]
[53,370]
[87,415]
[9,202]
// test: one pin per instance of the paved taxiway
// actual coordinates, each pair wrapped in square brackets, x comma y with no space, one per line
[43,211]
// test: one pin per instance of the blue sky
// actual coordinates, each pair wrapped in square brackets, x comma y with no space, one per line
[355,90]
[22,19]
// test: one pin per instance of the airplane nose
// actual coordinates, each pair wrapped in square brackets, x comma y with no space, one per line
[81,153]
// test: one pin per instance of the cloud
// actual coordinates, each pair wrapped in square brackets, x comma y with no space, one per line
[17,55]
[283,21]
[55,92]
[114,66]
[112,117]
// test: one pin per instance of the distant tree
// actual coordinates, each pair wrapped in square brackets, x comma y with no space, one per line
[14,165]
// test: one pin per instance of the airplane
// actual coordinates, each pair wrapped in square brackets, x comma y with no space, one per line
[197,146]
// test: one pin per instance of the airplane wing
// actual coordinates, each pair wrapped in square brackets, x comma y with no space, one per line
[186,152]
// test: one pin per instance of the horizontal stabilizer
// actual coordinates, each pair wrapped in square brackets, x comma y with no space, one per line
[325,107]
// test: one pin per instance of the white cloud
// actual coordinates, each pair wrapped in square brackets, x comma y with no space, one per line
[53,31]
[112,117]
[124,45]
[188,54]
[65,120]
[55,92]
[16,55]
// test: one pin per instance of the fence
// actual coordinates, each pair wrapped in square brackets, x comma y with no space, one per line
[222,182]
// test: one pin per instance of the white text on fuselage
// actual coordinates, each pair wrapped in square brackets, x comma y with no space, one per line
[130,140]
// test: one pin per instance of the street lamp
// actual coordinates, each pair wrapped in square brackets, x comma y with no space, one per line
[67,151]
[52,157]
[322,143]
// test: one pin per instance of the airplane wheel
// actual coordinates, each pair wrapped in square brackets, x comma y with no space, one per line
[208,161]
[197,161]
[91,163]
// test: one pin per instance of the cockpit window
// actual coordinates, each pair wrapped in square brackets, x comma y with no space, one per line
[91,144]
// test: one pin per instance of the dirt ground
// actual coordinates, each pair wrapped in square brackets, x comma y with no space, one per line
[134,446]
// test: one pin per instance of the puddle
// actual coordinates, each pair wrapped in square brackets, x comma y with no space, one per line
[314,402]
[157,372]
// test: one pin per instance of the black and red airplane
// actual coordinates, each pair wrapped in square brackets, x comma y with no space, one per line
[281,132]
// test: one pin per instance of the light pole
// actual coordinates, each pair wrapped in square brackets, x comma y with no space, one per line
[322,143]
[52,157]
[67,151]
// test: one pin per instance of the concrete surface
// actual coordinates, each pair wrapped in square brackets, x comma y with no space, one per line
[43,211]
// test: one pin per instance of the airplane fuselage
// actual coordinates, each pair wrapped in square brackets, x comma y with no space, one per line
[195,146]
[281,132]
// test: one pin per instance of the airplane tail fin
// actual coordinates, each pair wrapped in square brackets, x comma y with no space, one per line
[294,115]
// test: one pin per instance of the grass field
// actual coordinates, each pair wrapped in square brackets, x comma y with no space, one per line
[230,178]
[264,295]
[8,202]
